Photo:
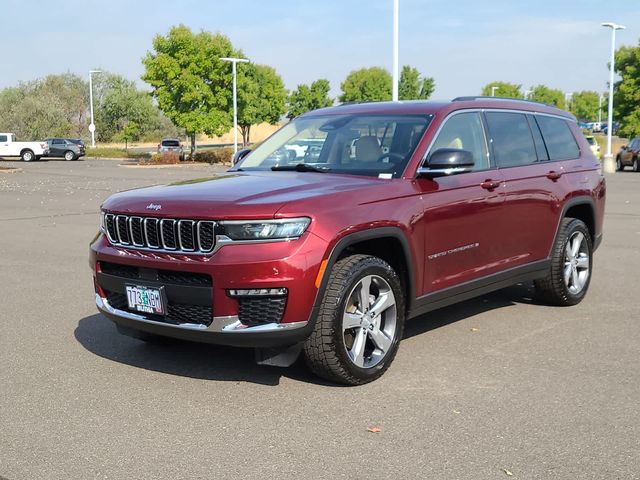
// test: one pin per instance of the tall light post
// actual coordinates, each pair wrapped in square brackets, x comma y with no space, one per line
[609,165]
[568,97]
[92,126]
[396,75]
[493,91]
[234,61]
[527,94]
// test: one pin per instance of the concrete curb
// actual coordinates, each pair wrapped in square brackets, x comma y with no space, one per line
[173,165]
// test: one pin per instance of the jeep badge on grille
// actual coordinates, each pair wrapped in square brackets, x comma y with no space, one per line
[154,206]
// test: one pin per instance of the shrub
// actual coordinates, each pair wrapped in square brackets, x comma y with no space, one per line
[217,155]
[165,158]
[108,152]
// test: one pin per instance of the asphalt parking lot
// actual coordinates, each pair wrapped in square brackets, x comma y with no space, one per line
[496,387]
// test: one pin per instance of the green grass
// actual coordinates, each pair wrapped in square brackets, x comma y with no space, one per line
[114,153]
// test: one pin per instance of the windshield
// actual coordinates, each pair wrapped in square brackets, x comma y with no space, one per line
[375,145]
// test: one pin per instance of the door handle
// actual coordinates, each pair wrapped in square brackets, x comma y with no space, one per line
[490,184]
[553,175]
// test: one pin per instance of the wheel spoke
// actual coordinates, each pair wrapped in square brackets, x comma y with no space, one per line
[357,350]
[575,280]
[583,262]
[577,241]
[567,273]
[351,320]
[380,339]
[384,301]
[567,251]
[363,294]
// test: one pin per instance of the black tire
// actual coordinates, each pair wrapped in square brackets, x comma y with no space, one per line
[325,350]
[619,165]
[69,156]
[27,156]
[553,289]
[636,165]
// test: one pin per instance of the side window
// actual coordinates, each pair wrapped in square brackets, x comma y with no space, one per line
[3,138]
[558,138]
[464,131]
[541,150]
[511,138]
[57,141]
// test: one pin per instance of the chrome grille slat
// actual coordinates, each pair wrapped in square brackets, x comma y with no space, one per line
[160,234]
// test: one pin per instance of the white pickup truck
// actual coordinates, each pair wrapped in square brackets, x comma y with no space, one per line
[26,150]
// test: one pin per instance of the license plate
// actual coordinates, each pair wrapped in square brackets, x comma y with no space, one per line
[146,299]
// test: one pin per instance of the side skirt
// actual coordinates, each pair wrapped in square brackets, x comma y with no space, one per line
[475,288]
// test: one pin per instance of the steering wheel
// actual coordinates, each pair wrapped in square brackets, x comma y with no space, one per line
[391,155]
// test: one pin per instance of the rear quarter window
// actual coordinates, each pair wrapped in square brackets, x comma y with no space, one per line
[558,138]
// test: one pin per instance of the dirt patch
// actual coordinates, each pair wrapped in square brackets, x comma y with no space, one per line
[10,170]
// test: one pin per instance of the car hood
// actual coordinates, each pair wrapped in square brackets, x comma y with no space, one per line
[234,195]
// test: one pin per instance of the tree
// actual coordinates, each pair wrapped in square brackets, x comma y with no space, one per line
[626,96]
[309,97]
[585,104]
[504,89]
[412,86]
[550,96]
[130,132]
[190,82]
[367,85]
[261,98]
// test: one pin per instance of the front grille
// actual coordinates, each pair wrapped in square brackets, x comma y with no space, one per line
[254,311]
[177,313]
[187,236]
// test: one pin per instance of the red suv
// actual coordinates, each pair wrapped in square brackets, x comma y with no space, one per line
[350,220]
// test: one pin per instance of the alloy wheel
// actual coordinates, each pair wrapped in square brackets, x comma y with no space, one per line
[369,321]
[576,263]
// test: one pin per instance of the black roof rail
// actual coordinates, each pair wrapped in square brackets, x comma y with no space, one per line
[482,97]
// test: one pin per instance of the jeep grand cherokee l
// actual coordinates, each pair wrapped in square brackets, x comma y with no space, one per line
[436,203]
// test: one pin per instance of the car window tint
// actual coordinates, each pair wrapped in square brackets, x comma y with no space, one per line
[511,138]
[170,143]
[3,138]
[558,138]
[541,150]
[464,131]
[57,141]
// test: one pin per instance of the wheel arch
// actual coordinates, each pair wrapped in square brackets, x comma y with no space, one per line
[582,208]
[388,243]
[27,149]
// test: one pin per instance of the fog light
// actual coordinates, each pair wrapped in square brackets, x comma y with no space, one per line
[257,292]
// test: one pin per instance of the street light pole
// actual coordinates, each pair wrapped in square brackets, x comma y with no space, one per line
[92,126]
[493,91]
[234,61]
[396,75]
[527,94]
[609,165]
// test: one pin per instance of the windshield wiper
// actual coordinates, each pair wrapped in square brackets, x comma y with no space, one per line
[300,167]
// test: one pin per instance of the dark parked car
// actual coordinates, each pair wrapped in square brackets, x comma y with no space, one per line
[67,148]
[329,257]
[171,145]
[629,155]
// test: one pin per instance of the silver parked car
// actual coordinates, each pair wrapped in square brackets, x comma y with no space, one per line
[171,145]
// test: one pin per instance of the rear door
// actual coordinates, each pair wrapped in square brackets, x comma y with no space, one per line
[461,212]
[57,147]
[534,182]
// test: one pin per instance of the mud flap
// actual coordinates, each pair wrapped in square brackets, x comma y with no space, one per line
[278,357]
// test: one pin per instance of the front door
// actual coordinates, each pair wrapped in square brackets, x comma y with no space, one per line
[461,212]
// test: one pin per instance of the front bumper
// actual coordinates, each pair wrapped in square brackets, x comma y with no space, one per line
[227,330]
[292,265]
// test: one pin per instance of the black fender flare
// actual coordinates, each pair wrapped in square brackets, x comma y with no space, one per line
[357,237]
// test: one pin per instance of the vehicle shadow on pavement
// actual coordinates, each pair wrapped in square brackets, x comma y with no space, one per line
[515,294]
[187,359]
[220,363]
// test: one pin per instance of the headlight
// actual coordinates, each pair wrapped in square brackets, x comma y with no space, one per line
[288,228]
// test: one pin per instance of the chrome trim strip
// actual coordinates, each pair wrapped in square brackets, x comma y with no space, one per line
[126,221]
[163,243]
[113,219]
[227,324]
[133,240]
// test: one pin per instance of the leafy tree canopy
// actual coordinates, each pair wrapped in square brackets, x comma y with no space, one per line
[550,96]
[367,85]
[413,86]
[504,89]
[189,80]
[309,97]
[261,97]
[626,95]
[584,105]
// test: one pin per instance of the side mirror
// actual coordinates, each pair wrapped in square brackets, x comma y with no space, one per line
[447,161]
[240,154]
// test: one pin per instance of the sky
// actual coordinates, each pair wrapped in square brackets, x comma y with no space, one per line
[462,44]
